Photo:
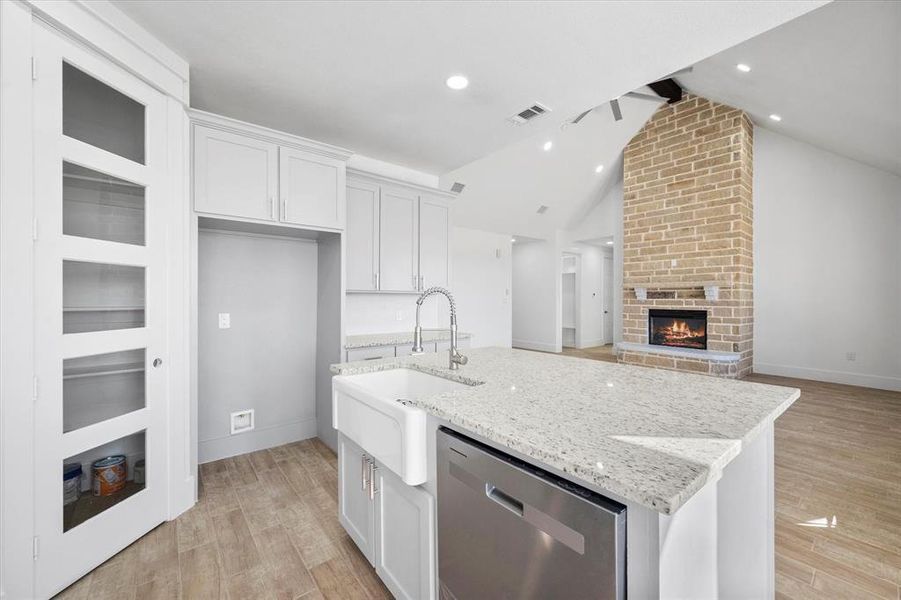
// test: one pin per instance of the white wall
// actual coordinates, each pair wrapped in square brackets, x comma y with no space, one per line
[482,284]
[267,359]
[537,319]
[827,265]
[606,221]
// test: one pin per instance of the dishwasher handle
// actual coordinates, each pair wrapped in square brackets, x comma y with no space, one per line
[504,499]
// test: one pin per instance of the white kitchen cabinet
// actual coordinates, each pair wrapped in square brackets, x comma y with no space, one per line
[405,537]
[398,240]
[398,235]
[356,511]
[362,233]
[371,353]
[434,242]
[234,175]
[250,173]
[391,522]
[312,189]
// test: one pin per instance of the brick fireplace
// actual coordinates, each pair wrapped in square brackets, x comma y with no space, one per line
[687,237]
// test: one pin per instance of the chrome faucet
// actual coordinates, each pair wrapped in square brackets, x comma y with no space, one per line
[456,359]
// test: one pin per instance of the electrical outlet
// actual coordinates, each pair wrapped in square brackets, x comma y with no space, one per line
[225,320]
[673,263]
[241,421]
[399,315]
[852,356]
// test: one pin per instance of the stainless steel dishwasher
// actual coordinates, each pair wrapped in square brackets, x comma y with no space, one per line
[507,529]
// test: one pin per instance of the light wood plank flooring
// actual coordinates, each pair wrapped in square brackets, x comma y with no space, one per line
[604,353]
[266,524]
[838,492]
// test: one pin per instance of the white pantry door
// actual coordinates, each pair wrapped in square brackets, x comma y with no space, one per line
[100,281]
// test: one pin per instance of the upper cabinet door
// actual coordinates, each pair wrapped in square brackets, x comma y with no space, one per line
[234,175]
[312,189]
[434,243]
[399,240]
[362,236]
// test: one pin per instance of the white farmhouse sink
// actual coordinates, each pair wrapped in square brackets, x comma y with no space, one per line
[369,409]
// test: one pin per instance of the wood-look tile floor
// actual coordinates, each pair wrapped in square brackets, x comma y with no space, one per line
[838,492]
[265,526]
[604,353]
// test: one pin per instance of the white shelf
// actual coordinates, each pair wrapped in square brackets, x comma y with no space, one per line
[72,309]
[100,370]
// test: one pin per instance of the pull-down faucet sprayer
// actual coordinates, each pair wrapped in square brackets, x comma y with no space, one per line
[455,359]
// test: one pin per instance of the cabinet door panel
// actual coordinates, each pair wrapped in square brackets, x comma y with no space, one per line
[398,240]
[234,175]
[406,537]
[434,243]
[362,236]
[312,189]
[355,509]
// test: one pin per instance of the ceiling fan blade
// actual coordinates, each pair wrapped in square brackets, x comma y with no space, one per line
[617,113]
[582,116]
[640,96]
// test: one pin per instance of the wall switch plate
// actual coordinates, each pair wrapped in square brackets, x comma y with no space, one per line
[241,421]
[225,320]
[399,315]
[673,262]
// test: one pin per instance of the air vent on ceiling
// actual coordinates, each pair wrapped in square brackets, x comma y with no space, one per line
[523,116]
[541,209]
[457,187]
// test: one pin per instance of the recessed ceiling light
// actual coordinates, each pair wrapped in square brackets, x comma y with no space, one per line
[457,82]
[513,240]
[775,117]
[610,243]
[548,145]
[599,168]
[743,67]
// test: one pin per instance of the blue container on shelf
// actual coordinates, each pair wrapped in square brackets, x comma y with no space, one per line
[71,482]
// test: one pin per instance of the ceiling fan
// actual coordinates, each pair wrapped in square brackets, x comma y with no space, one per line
[663,86]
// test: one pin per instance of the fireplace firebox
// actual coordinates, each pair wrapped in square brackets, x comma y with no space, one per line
[678,328]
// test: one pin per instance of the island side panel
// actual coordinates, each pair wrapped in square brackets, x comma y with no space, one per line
[688,548]
[746,522]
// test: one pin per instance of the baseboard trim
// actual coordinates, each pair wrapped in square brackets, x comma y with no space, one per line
[879,382]
[258,439]
[540,346]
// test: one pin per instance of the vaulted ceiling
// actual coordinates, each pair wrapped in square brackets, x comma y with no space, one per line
[833,75]
[370,75]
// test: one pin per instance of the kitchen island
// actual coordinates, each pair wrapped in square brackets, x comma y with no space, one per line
[690,456]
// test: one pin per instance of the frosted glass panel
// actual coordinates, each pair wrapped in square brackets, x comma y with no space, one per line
[101,116]
[103,386]
[87,495]
[102,207]
[101,297]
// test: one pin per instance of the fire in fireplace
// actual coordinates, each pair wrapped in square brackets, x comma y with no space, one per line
[679,328]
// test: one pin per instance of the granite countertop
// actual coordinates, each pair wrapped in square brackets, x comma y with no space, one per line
[650,436]
[399,338]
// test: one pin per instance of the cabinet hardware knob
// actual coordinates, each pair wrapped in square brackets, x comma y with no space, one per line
[157,362]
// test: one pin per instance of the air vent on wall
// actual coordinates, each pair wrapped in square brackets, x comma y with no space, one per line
[541,209]
[523,116]
[457,187]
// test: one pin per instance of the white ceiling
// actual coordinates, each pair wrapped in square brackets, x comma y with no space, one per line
[370,75]
[504,189]
[833,75]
